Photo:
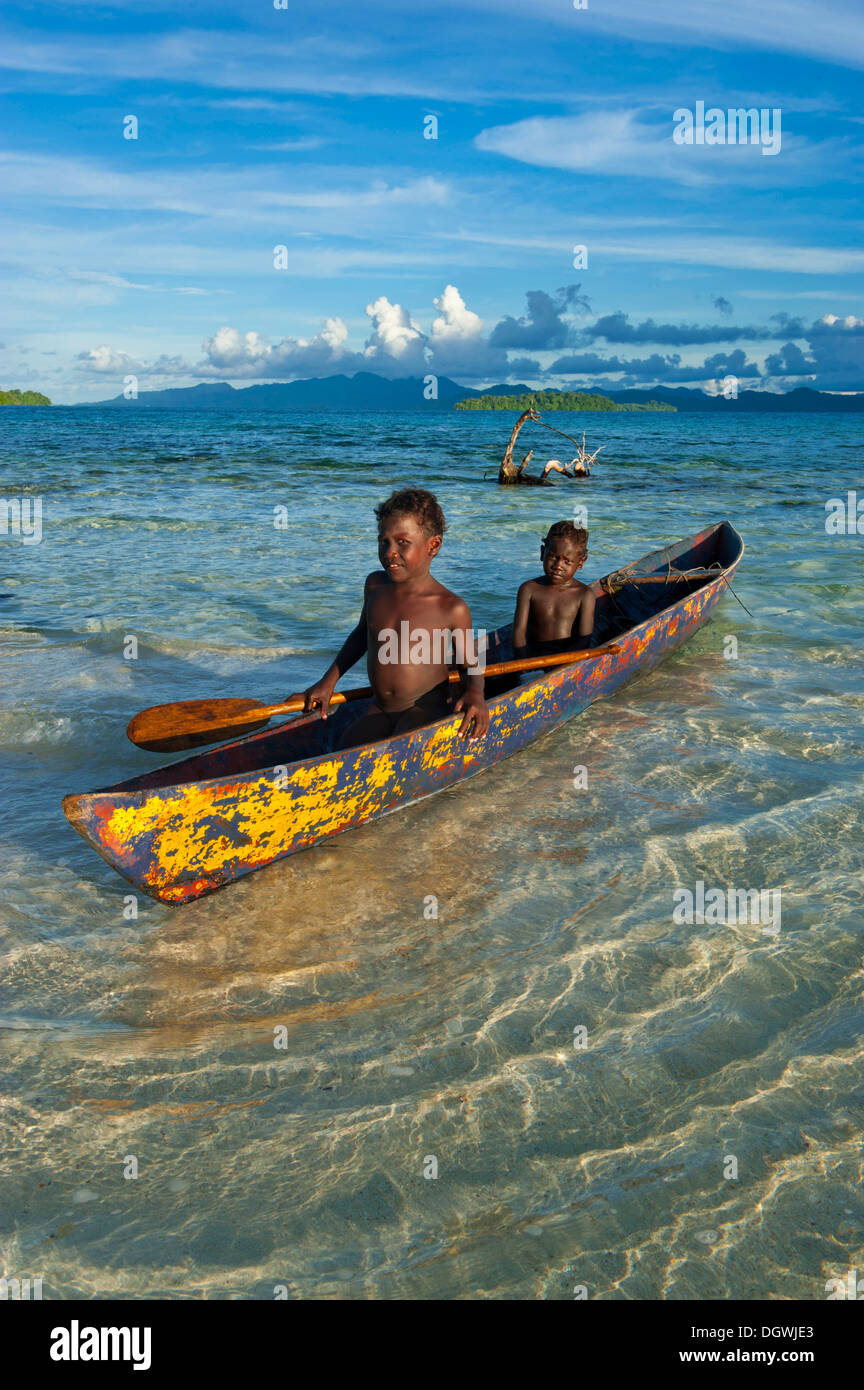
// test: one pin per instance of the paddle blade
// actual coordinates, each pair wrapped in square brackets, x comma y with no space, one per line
[192,723]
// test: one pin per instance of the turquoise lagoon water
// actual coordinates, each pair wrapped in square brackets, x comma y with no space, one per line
[407,1038]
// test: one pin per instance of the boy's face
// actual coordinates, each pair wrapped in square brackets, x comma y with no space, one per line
[562,557]
[404,548]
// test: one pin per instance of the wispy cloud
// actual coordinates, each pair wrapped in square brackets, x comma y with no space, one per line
[741,253]
[267,61]
[636,144]
[211,193]
[826,29]
[289,55]
[302,142]
[727,251]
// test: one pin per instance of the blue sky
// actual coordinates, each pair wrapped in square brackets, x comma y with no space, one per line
[304,128]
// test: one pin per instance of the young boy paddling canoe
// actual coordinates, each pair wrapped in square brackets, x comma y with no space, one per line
[555,611]
[405,621]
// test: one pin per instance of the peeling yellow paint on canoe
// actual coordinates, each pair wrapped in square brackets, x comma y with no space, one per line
[264,818]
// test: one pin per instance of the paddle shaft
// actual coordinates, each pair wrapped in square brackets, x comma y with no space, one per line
[500,668]
[191,723]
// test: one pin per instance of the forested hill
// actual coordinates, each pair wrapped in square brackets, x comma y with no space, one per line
[557,400]
[15,397]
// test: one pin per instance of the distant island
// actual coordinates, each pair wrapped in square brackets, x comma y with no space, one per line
[16,397]
[557,400]
[366,391]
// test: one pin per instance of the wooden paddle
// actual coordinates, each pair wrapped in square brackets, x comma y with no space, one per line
[191,723]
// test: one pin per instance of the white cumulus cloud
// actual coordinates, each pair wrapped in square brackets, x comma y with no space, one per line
[850,321]
[455,322]
[396,346]
[106,359]
[394,333]
[232,354]
[456,343]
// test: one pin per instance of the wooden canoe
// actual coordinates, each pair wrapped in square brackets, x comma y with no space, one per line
[184,830]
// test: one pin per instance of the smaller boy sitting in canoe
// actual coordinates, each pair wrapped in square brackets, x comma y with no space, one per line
[555,611]
[405,606]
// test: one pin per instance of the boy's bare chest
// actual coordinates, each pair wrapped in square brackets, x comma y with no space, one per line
[387,608]
[557,603]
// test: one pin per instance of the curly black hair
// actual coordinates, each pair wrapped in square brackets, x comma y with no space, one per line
[568,531]
[416,502]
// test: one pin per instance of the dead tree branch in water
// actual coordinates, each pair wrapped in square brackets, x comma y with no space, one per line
[509,474]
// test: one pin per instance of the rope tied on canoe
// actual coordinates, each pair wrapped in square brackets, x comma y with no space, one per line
[615,582]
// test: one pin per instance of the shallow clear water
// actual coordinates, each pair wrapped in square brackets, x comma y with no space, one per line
[409,1037]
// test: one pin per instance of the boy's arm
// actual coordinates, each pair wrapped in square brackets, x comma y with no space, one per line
[352,649]
[475,709]
[472,702]
[520,621]
[585,627]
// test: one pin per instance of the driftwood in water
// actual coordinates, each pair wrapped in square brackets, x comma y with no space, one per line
[509,474]
[556,466]
[581,464]
[529,477]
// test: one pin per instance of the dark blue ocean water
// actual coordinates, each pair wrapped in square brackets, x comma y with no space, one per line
[412,1038]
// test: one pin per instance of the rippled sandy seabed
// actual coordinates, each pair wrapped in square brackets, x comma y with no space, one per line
[410,1038]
